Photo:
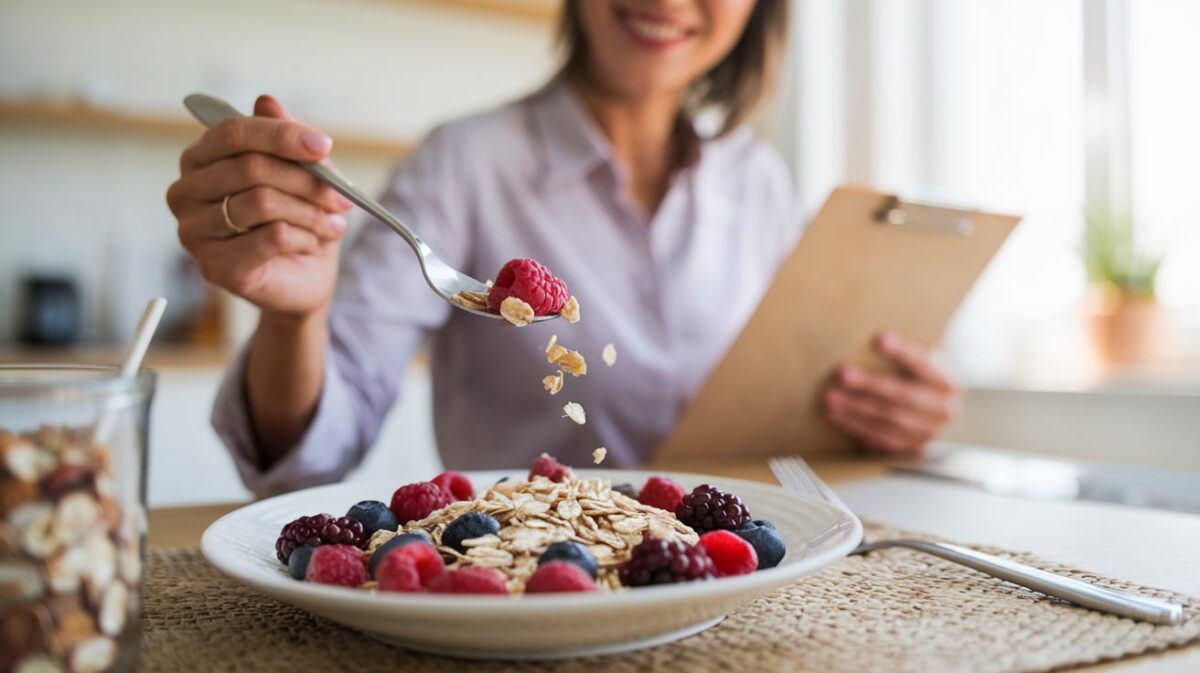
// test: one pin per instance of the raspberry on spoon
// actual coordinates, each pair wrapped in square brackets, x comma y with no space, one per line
[531,282]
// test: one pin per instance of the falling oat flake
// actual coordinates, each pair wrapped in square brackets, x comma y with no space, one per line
[553,341]
[609,354]
[553,383]
[572,362]
[574,411]
[599,454]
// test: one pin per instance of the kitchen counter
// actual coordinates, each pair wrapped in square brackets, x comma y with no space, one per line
[1152,547]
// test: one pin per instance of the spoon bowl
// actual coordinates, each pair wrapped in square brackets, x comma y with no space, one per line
[443,279]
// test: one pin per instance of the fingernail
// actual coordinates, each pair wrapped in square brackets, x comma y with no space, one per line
[317,143]
[851,375]
[338,223]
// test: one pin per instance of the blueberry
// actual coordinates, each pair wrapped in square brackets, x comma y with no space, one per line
[466,527]
[298,561]
[570,552]
[373,515]
[767,543]
[394,543]
[626,490]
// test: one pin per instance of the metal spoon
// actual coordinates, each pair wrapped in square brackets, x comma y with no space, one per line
[445,280]
[794,474]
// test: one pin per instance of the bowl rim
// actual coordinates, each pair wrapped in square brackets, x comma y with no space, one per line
[290,590]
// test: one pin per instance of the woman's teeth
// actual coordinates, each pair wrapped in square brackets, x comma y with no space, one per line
[654,30]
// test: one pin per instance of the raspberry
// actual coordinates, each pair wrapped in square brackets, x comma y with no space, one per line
[546,466]
[474,580]
[317,530]
[661,492]
[398,573]
[468,526]
[559,576]
[373,515]
[707,508]
[730,554]
[412,567]
[656,561]
[417,501]
[570,552]
[338,564]
[399,541]
[532,283]
[456,484]
[767,543]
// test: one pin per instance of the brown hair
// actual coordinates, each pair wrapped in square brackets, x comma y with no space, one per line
[735,85]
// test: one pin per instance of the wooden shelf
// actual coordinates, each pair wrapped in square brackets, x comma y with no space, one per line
[541,11]
[167,356]
[90,117]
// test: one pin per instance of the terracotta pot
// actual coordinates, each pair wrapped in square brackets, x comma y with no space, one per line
[1125,328]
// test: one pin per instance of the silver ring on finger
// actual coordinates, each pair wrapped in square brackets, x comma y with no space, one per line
[236,230]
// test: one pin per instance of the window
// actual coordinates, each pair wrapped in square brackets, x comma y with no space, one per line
[1165,139]
[1021,106]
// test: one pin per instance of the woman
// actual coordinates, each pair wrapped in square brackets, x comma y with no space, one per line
[667,239]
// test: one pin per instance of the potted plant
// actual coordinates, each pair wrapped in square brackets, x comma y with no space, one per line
[1124,316]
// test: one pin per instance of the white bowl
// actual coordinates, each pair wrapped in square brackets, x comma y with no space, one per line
[242,545]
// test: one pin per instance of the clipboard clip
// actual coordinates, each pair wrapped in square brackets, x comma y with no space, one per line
[925,216]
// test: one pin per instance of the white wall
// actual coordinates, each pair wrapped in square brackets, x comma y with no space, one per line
[91,202]
[188,465]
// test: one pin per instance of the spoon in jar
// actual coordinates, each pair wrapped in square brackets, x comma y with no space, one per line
[442,278]
[146,326]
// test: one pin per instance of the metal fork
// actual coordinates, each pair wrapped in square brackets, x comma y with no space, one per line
[795,475]
[442,278]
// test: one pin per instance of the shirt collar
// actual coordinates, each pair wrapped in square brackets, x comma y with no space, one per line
[571,143]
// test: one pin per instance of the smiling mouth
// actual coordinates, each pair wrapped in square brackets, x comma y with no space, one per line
[652,30]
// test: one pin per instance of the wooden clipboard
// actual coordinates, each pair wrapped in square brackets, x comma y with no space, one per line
[866,262]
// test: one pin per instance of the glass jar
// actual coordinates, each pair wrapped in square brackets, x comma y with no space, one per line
[72,517]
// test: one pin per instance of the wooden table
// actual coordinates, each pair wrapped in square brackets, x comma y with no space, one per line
[1151,547]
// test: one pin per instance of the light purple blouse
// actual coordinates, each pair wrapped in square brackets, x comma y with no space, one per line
[536,178]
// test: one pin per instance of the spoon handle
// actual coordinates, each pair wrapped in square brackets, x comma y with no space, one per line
[211,111]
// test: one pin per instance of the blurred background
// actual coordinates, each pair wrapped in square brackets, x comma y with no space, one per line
[1082,339]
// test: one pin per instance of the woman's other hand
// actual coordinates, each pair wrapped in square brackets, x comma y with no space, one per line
[284,259]
[893,413]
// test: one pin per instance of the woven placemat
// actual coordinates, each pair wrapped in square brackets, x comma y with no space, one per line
[895,610]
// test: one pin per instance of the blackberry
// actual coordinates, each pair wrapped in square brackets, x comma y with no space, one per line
[767,543]
[707,508]
[468,526]
[317,530]
[626,490]
[392,544]
[571,552]
[298,561]
[656,561]
[374,516]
